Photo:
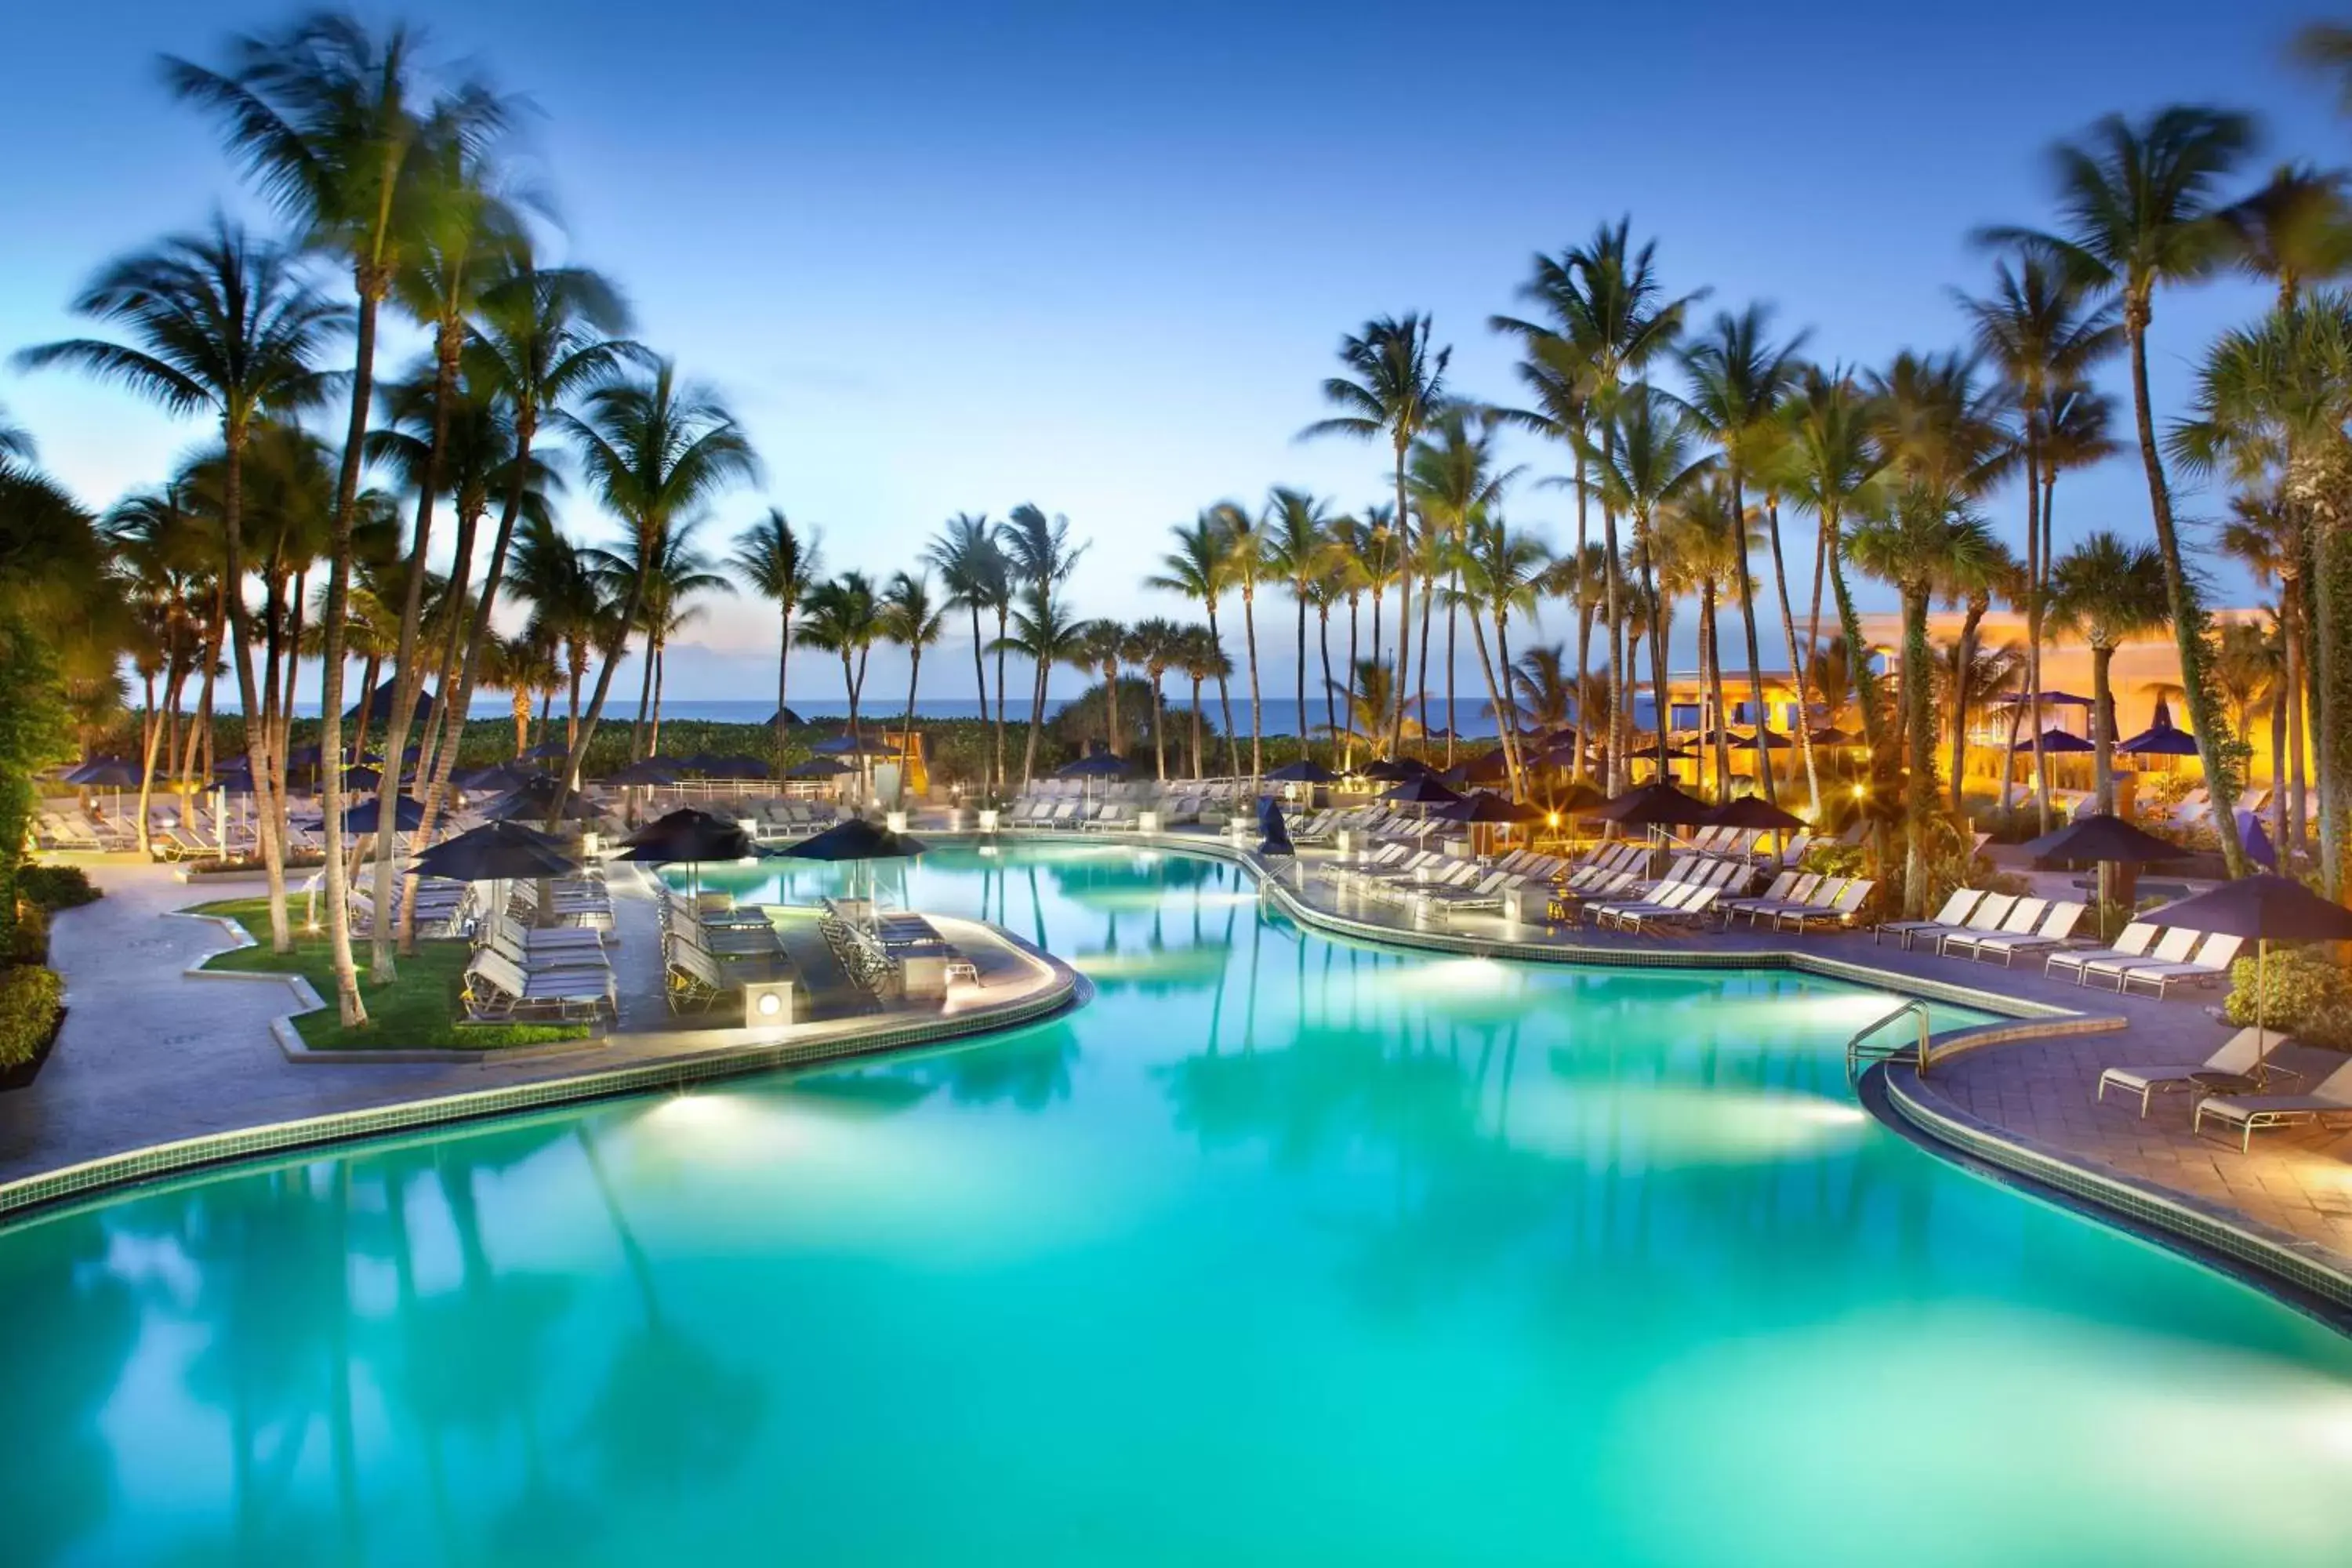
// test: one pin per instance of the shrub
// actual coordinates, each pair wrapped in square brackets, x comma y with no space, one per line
[28,941]
[56,887]
[30,1000]
[2309,995]
[1836,860]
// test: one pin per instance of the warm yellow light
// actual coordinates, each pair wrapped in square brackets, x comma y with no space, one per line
[1862,791]
[1552,819]
[771,1003]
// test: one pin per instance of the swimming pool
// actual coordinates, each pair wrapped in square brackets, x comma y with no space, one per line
[1278,1250]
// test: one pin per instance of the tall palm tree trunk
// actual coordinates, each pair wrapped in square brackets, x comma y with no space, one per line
[1197,773]
[1347,710]
[1919,732]
[1003,777]
[1224,698]
[1710,654]
[1495,695]
[1798,659]
[1453,635]
[1404,600]
[1159,726]
[371,282]
[257,732]
[1257,708]
[2035,567]
[905,757]
[1963,668]
[407,679]
[2189,624]
[980,684]
[1747,582]
[784,670]
[1330,701]
[654,655]
[645,702]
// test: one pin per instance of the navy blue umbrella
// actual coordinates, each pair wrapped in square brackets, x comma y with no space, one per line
[1276,840]
[106,772]
[2267,908]
[495,852]
[688,834]
[648,770]
[2054,740]
[361,816]
[1094,765]
[1306,769]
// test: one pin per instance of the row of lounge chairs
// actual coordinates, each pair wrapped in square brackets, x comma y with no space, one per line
[2144,958]
[1800,901]
[1990,925]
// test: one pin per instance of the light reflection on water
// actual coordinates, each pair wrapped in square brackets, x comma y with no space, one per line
[1280,1250]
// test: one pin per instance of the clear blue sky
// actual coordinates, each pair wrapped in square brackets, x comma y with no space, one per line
[954,257]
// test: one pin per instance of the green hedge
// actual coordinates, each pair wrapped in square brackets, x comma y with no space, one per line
[30,1000]
[56,887]
[2307,993]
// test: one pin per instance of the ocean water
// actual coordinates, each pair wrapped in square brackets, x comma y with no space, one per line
[1279,1250]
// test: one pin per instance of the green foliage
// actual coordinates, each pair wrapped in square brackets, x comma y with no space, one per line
[33,734]
[56,887]
[1836,860]
[2307,993]
[420,1010]
[31,999]
[28,941]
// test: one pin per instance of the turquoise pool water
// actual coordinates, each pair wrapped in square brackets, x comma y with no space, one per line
[1279,1251]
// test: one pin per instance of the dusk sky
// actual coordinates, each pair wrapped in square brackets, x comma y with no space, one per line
[1100,257]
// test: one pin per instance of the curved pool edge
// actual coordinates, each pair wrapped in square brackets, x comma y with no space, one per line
[2298,1273]
[45,1194]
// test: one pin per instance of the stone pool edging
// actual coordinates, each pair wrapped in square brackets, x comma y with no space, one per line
[44,1193]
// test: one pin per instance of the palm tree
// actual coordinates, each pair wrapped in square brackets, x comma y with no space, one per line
[523,666]
[1297,550]
[1453,479]
[972,570]
[1200,568]
[328,122]
[779,562]
[843,617]
[1738,380]
[2042,334]
[1653,457]
[2261,537]
[552,576]
[1610,321]
[1201,656]
[1044,634]
[1158,646]
[1974,581]
[1398,386]
[675,576]
[1099,648]
[1498,571]
[1371,696]
[1827,466]
[1700,535]
[539,336]
[222,324]
[2140,203]
[1543,689]
[1913,537]
[1354,563]
[656,453]
[2269,409]
[1039,556]
[2107,592]
[909,618]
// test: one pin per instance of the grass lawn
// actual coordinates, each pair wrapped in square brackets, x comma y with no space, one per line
[419,1011]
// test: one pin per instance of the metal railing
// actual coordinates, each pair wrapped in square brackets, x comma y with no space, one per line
[1859,1054]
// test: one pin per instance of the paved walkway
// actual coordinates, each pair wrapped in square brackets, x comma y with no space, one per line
[149,1054]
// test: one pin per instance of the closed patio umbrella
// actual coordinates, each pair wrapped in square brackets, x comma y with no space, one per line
[1276,836]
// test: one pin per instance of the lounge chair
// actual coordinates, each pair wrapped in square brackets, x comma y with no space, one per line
[2237,1055]
[2022,917]
[2057,928]
[2132,943]
[1953,916]
[2209,966]
[1783,887]
[1699,906]
[2330,1100]
[1839,910]
[496,988]
[2172,947]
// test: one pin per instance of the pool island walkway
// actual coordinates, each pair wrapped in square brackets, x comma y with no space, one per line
[151,1054]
